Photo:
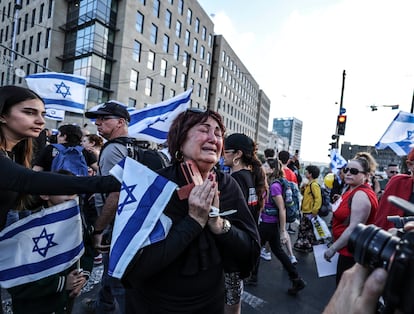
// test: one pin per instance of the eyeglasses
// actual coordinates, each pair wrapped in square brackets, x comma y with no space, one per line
[393,172]
[107,117]
[353,171]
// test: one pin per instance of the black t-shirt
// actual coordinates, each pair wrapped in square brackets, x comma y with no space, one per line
[245,179]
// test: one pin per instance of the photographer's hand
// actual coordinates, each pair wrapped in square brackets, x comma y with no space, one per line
[358,291]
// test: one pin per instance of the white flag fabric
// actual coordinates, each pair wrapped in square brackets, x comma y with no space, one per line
[399,135]
[337,161]
[152,123]
[139,220]
[55,114]
[40,245]
[59,90]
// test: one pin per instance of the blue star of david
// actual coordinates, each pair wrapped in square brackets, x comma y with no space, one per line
[63,89]
[129,198]
[157,120]
[48,237]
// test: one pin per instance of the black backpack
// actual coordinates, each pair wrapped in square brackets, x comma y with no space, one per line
[140,151]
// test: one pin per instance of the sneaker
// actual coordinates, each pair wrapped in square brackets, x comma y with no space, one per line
[297,285]
[251,281]
[267,256]
[89,305]
[291,231]
[293,259]
[97,260]
[302,249]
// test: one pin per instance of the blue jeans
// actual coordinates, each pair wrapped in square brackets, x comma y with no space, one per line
[111,298]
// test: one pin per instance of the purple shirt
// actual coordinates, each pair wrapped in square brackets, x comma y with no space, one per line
[274,190]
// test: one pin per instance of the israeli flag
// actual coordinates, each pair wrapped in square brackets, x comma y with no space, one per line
[59,90]
[399,135]
[337,161]
[152,123]
[40,245]
[55,114]
[139,220]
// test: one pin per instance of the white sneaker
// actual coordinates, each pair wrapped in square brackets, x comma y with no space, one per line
[293,259]
[267,256]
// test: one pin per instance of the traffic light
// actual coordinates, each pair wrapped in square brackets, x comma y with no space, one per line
[341,124]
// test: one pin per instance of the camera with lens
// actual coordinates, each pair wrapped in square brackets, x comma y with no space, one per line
[374,247]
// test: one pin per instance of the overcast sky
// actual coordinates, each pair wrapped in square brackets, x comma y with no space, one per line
[297,50]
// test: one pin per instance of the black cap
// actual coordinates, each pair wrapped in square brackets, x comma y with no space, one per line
[109,109]
[239,141]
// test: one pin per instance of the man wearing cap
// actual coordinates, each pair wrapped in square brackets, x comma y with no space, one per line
[400,185]
[112,122]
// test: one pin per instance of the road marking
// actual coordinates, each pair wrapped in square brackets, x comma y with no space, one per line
[252,300]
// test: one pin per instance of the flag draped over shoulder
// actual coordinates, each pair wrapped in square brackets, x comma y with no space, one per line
[337,161]
[40,245]
[152,123]
[399,135]
[139,220]
[59,90]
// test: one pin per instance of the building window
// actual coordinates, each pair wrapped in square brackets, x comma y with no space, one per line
[42,7]
[136,53]
[202,52]
[183,79]
[24,46]
[193,65]
[162,92]
[195,45]
[168,18]
[156,8]
[26,21]
[47,39]
[210,40]
[180,7]
[200,70]
[19,22]
[204,33]
[197,25]
[185,58]
[39,38]
[206,75]
[174,74]
[148,86]
[143,2]
[208,58]
[163,68]
[178,29]
[45,63]
[189,16]
[139,23]
[132,102]
[151,60]
[172,93]
[33,18]
[50,9]
[187,38]
[154,34]
[176,52]
[133,80]
[165,43]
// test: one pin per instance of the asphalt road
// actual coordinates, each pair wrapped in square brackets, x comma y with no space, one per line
[268,297]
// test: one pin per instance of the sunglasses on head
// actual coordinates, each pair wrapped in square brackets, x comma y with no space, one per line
[353,171]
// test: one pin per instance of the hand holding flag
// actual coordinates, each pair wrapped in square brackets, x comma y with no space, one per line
[139,220]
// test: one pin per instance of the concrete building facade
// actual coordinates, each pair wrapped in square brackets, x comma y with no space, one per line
[138,52]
